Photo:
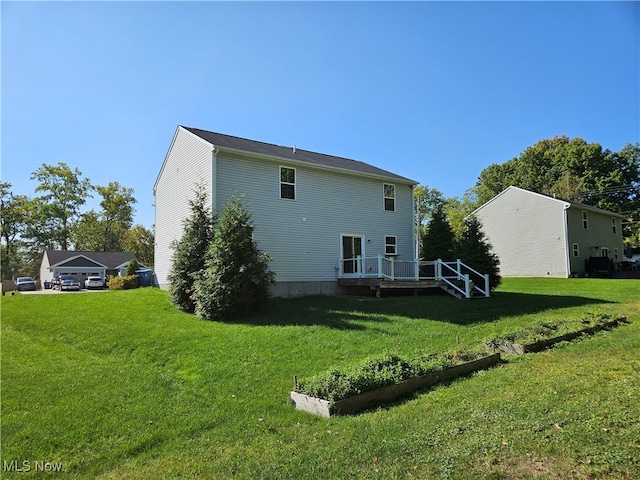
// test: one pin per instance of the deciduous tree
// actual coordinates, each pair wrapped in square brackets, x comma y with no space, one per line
[65,191]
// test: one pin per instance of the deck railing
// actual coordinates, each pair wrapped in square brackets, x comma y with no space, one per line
[456,275]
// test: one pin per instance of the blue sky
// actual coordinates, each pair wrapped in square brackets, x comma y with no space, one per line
[434,91]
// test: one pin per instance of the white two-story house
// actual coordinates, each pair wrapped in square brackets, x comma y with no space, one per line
[312,213]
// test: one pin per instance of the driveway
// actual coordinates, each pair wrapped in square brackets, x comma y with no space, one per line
[58,292]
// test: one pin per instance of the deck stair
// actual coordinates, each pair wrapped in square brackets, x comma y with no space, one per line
[383,273]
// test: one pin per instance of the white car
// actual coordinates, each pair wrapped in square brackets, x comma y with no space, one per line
[93,282]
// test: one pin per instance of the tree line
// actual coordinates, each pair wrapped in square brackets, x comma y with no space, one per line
[54,220]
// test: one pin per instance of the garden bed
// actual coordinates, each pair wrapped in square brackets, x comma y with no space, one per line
[528,340]
[336,403]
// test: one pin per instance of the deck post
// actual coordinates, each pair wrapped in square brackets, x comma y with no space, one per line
[393,269]
[467,286]
[379,266]
[487,292]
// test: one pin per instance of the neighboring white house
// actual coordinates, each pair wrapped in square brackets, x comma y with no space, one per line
[311,212]
[536,235]
[83,264]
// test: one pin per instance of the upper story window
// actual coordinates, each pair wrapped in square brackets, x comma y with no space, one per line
[391,245]
[288,183]
[389,197]
[614,226]
[585,220]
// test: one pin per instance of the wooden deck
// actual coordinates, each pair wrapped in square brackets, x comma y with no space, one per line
[378,284]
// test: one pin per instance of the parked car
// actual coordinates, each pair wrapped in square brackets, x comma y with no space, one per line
[25,283]
[93,282]
[68,282]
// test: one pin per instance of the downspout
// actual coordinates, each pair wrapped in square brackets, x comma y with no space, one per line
[214,179]
[567,255]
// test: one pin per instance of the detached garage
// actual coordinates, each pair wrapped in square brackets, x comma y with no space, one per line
[83,264]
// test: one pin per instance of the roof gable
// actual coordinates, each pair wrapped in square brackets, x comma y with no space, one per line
[78,261]
[542,196]
[109,260]
[231,143]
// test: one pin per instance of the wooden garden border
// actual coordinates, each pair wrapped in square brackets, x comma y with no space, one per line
[389,393]
[522,348]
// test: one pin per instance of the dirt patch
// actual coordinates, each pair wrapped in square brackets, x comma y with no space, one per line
[528,466]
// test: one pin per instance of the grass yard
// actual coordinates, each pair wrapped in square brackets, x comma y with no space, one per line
[120,385]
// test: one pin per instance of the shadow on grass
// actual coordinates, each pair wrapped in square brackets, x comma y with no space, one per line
[354,313]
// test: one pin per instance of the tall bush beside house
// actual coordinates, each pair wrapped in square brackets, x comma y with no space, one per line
[236,278]
[474,250]
[438,240]
[132,267]
[189,251]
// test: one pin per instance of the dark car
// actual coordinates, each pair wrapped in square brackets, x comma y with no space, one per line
[25,283]
[68,282]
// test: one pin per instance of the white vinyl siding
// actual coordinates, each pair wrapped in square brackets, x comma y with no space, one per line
[527,233]
[304,237]
[189,163]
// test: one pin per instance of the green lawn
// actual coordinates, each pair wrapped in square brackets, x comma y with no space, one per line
[121,385]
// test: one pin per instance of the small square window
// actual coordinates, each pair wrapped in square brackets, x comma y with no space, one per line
[390,245]
[576,250]
[288,183]
[389,197]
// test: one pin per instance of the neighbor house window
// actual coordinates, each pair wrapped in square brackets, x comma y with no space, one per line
[389,197]
[614,227]
[585,220]
[615,254]
[390,245]
[576,250]
[288,183]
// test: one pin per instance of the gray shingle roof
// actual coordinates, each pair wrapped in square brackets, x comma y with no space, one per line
[299,155]
[110,259]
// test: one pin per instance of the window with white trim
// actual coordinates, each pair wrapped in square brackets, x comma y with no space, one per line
[391,245]
[585,220]
[576,250]
[389,197]
[615,254]
[288,183]
[614,225]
